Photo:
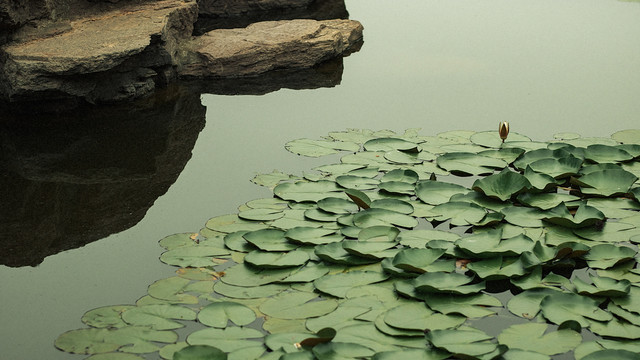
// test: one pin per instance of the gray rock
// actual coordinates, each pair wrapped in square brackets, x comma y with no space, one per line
[105,57]
[269,45]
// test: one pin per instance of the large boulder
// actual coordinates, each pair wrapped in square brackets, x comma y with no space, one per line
[269,45]
[115,55]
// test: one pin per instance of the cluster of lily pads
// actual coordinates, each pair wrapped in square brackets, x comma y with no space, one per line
[410,247]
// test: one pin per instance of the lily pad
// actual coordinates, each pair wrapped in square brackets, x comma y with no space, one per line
[297,305]
[465,163]
[339,284]
[607,182]
[503,185]
[227,340]
[437,192]
[532,337]
[218,314]
[317,148]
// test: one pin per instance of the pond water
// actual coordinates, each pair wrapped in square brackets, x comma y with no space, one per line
[545,66]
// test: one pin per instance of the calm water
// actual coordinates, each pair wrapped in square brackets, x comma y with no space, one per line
[544,66]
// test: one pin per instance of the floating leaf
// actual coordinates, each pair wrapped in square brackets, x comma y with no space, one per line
[557,168]
[437,192]
[417,260]
[460,213]
[338,284]
[606,154]
[465,163]
[606,182]
[376,216]
[227,340]
[608,255]
[306,191]
[106,316]
[297,305]
[232,223]
[312,236]
[406,176]
[269,240]
[192,256]
[467,341]
[561,307]
[317,148]
[218,314]
[584,216]
[132,339]
[440,282]
[388,144]
[527,303]
[242,275]
[199,352]
[367,335]
[532,337]
[503,185]
[417,316]
[158,317]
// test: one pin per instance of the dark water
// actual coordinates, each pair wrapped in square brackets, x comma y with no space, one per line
[545,66]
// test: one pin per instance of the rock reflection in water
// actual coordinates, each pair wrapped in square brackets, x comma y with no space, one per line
[72,178]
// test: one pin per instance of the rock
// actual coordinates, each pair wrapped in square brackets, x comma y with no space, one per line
[269,45]
[105,57]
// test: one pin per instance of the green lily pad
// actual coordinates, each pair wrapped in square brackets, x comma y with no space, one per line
[248,292]
[465,163]
[417,316]
[276,260]
[337,205]
[606,154]
[470,306]
[297,305]
[227,340]
[545,201]
[602,286]
[454,283]
[561,307]
[532,337]
[417,260]
[199,352]
[192,256]
[106,316]
[306,191]
[388,144]
[406,176]
[557,168]
[218,314]
[467,341]
[378,216]
[585,216]
[312,236]
[437,192]
[317,148]
[606,182]
[608,255]
[503,185]
[159,316]
[338,284]
[131,339]
[460,213]
[269,240]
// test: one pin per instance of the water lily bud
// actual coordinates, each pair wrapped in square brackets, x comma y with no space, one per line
[503,130]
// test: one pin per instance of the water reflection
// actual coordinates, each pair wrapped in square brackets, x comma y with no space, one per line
[73,178]
[68,179]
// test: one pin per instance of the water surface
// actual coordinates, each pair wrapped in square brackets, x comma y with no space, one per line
[544,66]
